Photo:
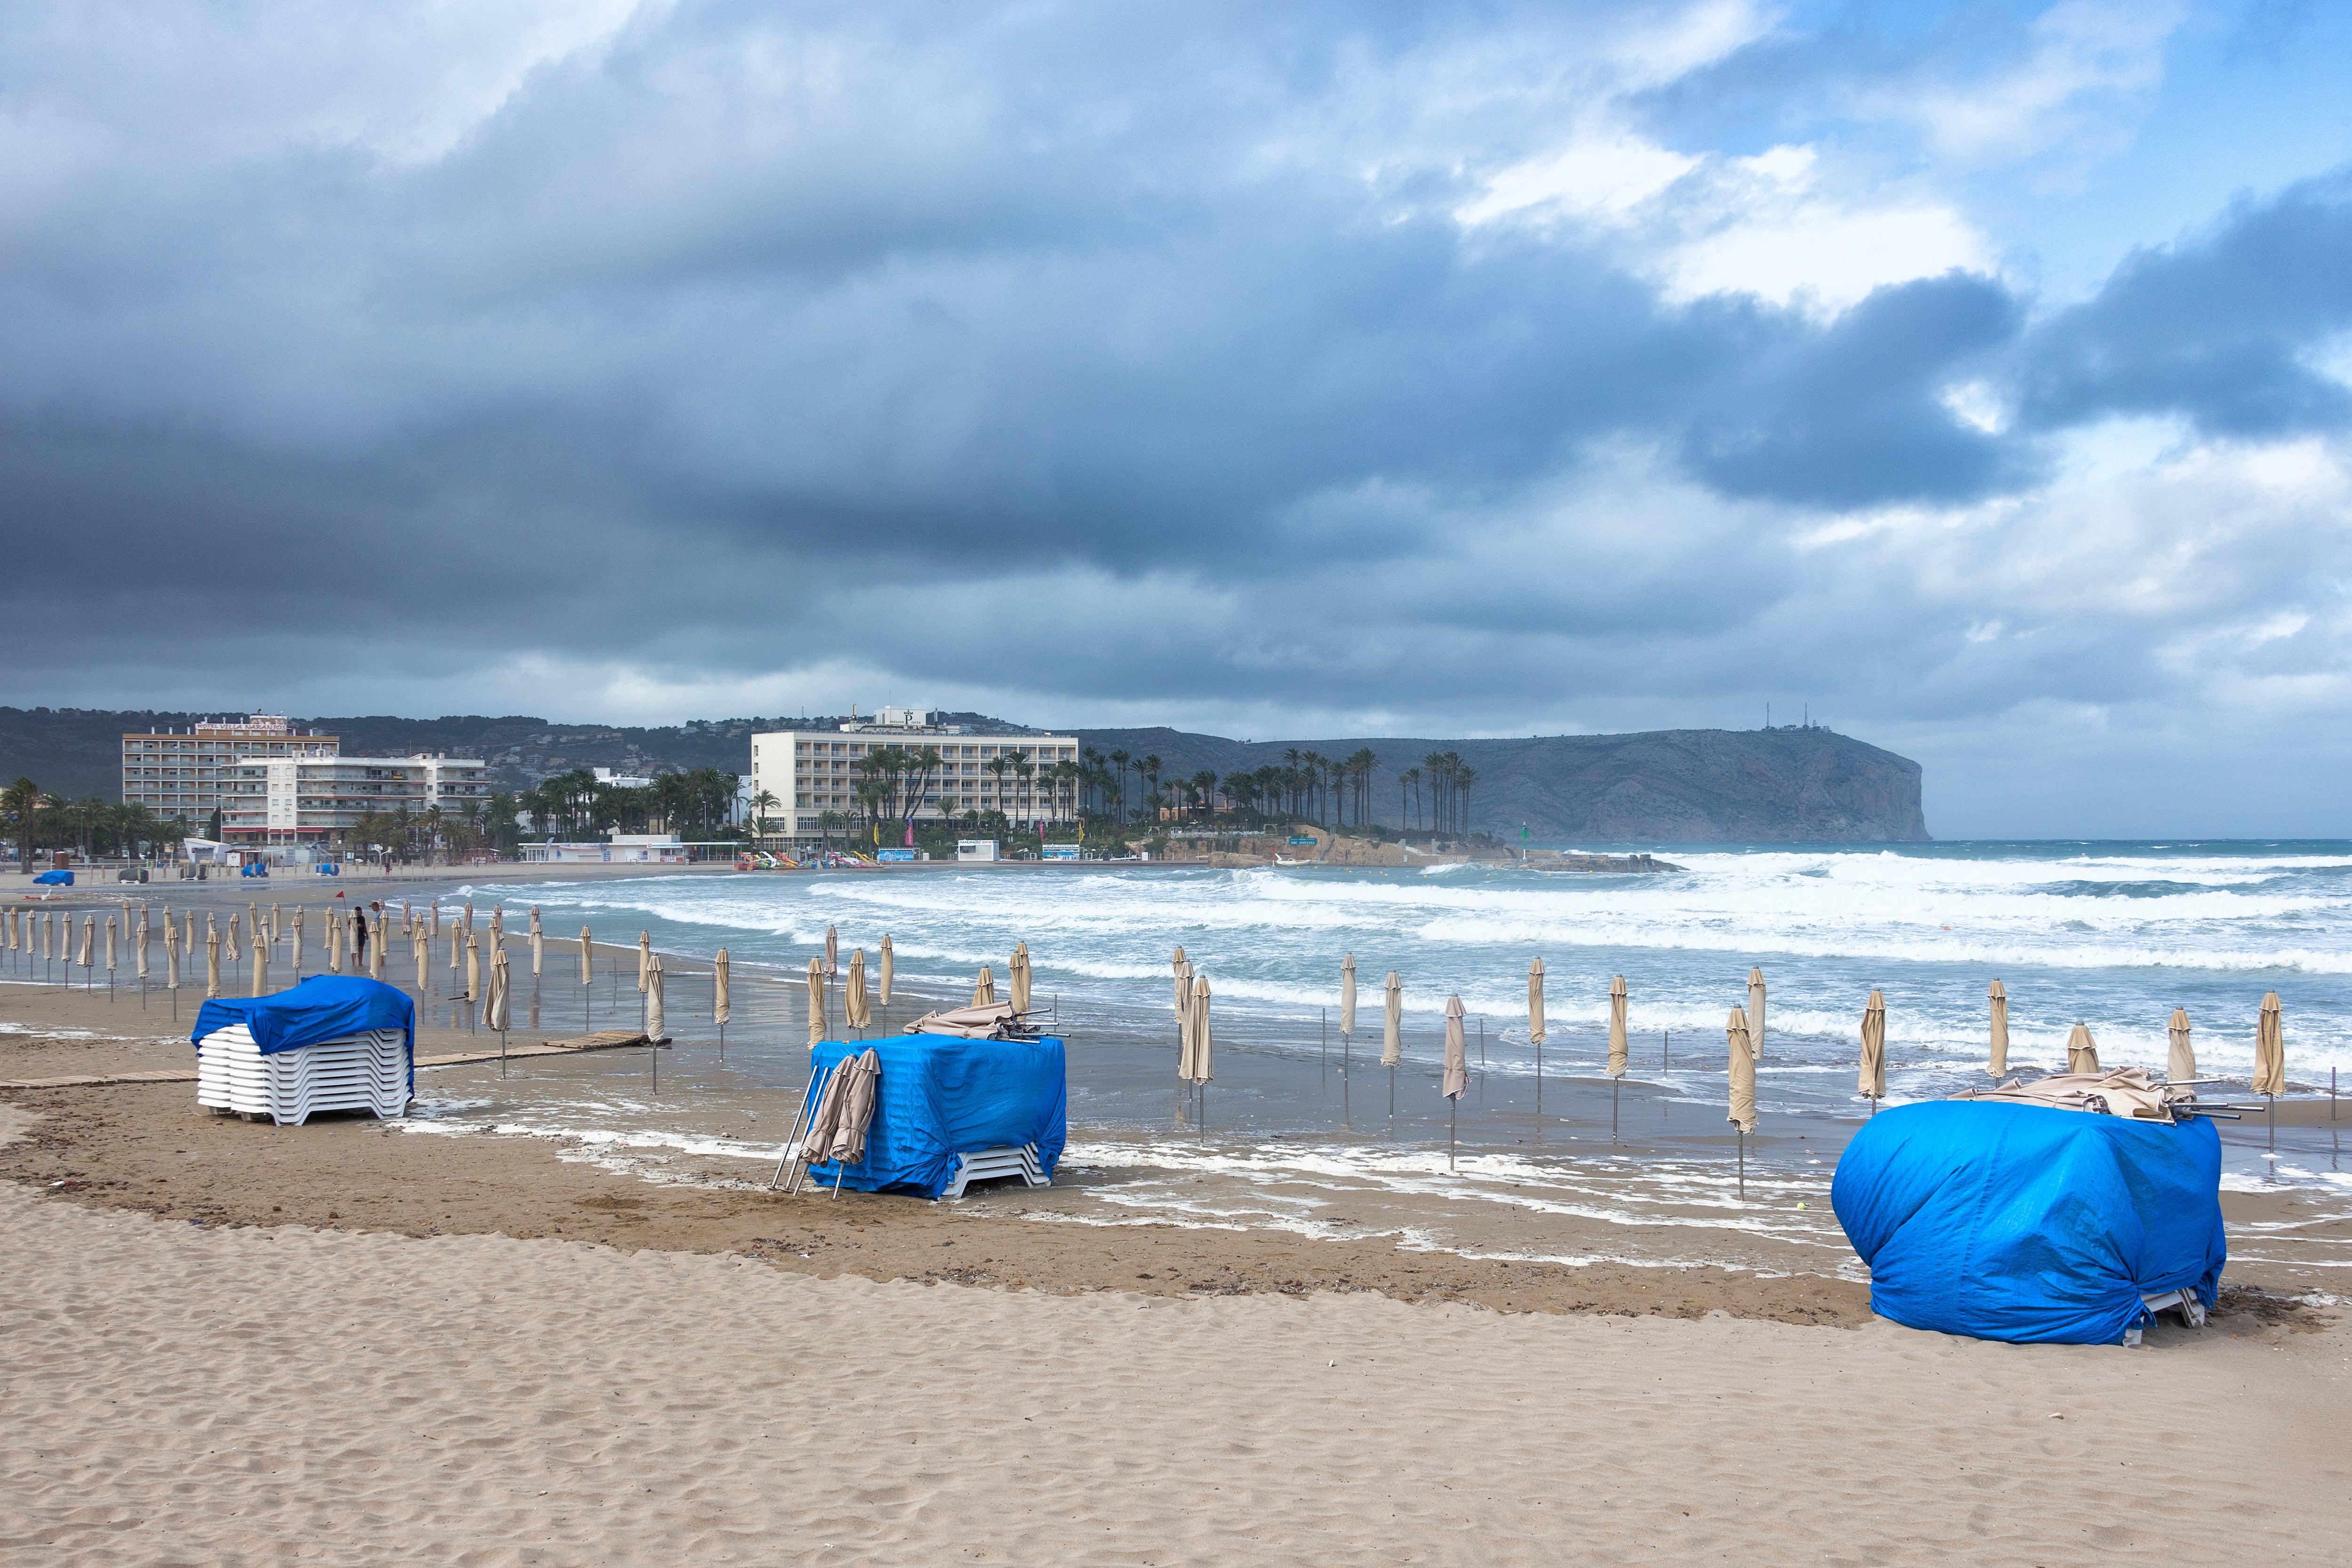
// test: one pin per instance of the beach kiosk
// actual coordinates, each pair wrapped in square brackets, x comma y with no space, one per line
[332,1043]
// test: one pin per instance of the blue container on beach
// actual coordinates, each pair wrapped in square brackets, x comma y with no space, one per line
[940,1096]
[2026,1223]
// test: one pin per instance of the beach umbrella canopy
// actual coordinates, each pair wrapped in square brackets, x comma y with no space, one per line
[261,969]
[297,940]
[171,954]
[1756,1014]
[437,919]
[2081,1051]
[1999,1063]
[2180,1061]
[722,1003]
[109,945]
[1181,1003]
[1457,1056]
[645,957]
[1743,1071]
[89,940]
[139,949]
[817,1000]
[335,942]
[376,958]
[1391,1020]
[882,977]
[587,957]
[1017,973]
[498,1008]
[1535,1003]
[473,968]
[469,916]
[2270,1048]
[231,948]
[861,1010]
[420,948]
[983,990]
[1198,1062]
[655,1022]
[537,941]
[456,944]
[498,924]
[8,924]
[1348,996]
[1617,1028]
[212,964]
[1873,1047]
[832,951]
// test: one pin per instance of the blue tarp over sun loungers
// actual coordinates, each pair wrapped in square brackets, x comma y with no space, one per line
[941,1096]
[2026,1223]
[323,1007]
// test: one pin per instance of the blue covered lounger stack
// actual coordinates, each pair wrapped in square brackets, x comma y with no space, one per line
[941,1097]
[2028,1223]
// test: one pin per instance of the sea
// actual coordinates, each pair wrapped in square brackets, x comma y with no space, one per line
[1302,1127]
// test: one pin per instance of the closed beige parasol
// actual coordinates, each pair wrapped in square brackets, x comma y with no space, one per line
[1998,1063]
[882,974]
[2270,1048]
[1743,1071]
[1391,1020]
[861,1006]
[1617,1048]
[1756,1014]
[816,1019]
[1873,1078]
[2181,1060]
[983,990]
[2081,1051]
[1456,1081]
[1348,996]
[1197,1062]
[1017,972]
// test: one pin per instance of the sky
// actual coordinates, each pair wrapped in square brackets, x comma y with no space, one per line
[1977,378]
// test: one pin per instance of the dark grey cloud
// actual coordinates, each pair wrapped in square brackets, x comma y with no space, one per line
[1058,356]
[2218,327]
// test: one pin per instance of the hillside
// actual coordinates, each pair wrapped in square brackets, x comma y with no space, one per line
[1781,785]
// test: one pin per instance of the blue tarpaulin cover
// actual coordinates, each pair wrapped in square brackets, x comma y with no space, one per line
[940,1096]
[323,1007]
[54,879]
[2026,1223]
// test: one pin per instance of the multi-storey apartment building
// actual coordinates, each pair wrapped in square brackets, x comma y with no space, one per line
[183,774]
[810,772]
[315,800]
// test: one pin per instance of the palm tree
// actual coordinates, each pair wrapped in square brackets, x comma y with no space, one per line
[1150,768]
[1026,771]
[1119,761]
[762,803]
[1464,777]
[21,801]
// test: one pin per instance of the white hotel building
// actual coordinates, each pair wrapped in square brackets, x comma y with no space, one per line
[810,772]
[316,800]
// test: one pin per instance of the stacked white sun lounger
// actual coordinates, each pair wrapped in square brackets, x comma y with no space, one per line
[366,1071]
[986,1164]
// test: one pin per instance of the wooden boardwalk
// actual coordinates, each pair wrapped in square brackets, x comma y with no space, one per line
[604,1040]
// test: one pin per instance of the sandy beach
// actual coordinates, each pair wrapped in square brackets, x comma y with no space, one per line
[350,1342]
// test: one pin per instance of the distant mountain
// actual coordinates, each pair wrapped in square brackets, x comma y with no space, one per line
[1679,786]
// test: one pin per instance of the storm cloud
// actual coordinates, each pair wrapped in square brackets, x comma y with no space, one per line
[1474,369]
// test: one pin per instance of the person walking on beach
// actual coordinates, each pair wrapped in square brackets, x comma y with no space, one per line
[358,941]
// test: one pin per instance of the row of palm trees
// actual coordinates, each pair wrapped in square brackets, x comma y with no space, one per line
[1448,779]
[37,820]
[694,805]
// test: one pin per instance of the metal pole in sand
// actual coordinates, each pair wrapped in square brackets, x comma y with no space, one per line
[1346,1050]
[653,1050]
[1614,1085]
[1666,1048]
[2273,1108]
[1743,1164]
[502,1053]
[1453,1119]
[1327,1047]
